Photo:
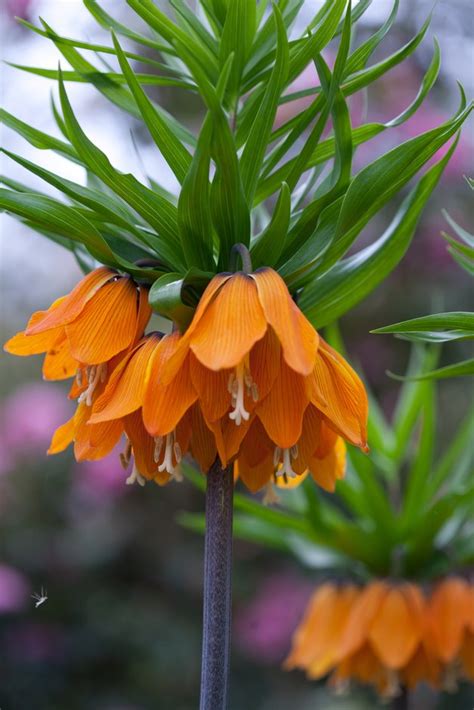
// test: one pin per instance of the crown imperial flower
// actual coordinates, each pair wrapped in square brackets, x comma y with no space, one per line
[387,635]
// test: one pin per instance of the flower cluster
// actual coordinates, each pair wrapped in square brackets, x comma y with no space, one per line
[250,381]
[388,635]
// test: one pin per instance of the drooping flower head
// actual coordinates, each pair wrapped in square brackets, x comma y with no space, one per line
[250,381]
[387,634]
[276,396]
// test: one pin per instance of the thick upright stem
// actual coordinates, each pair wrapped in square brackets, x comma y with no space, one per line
[217,588]
[401,701]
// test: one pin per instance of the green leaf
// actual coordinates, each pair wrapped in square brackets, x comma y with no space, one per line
[112,90]
[361,55]
[194,208]
[237,37]
[109,23]
[327,297]
[435,328]
[375,184]
[190,22]
[268,245]
[171,32]
[156,210]
[254,149]
[61,219]
[230,212]
[418,478]
[460,231]
[459,369]
[111,209]
[173,151]
[411,399]
[456,451]
[166,298]
[98,77]
[37,138]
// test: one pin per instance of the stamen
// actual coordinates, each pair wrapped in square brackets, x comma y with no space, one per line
[135,477]
[270,497]
[79,377]
[239,412]
[230,383]
[276,456]
[254,392]
[158,447]
[94,374]
[286,469]
[126,455]
[167,463]
[177,452]
[294,451]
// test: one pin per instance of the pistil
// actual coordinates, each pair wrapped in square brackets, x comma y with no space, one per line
[135,477]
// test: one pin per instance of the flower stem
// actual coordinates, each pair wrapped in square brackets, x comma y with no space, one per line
[401,701]
[217,588]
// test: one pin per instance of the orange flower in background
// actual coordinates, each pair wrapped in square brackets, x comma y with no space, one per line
[450,626]
[387,635]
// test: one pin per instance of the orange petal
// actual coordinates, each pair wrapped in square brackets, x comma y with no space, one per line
[143,447]
[143,314]
[297,336]
[62,437]
[339,394]
[165,405]
[264,364]
[232,437]
[257,446]
[330,469]
[125,389]
[212,389]
[107,323]
[281,412]
[59,363]
[255,478]
[363,612]
[69,307]
[230,326]
[421,668]
[175,361]
[309,440]
[396,630]
[449,611]
[23,345]
[203,445]
[466,655]
[94,441]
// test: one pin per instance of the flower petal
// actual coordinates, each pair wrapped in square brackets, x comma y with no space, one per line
[264,364]
[165,405]
[203,445]
[62,437]
[256,477]
[230,326]
[297,336]
[58,363]
[70,306]
[143,447]
[107,323]
[330,469]
[339,394]
[212,389]
[395,631]
[175,361]
[125,389]
[362,614]
[282,410]
[449,611]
